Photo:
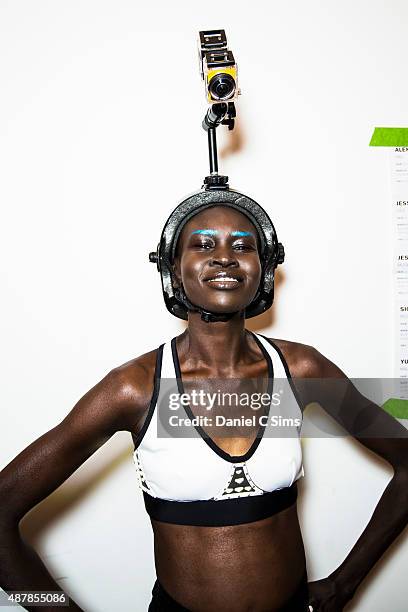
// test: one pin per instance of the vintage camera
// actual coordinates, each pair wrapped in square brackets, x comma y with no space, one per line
[217,67]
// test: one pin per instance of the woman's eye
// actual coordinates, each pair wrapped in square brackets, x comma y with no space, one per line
[243,247]
[208,244]
[204,245]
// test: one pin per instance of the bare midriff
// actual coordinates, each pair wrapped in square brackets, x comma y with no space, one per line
[255,566]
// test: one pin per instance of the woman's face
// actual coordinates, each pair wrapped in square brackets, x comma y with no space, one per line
[217,260]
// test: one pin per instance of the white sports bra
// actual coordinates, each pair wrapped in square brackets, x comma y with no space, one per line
[192,481]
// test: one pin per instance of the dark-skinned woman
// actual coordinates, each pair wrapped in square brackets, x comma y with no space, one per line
[222,500]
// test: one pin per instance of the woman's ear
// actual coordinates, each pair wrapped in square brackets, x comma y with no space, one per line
[176,272]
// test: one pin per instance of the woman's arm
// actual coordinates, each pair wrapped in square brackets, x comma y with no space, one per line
[116,403]
[323,382]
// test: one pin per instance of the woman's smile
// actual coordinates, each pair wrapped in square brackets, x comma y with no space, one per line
[224,280]
[224,283]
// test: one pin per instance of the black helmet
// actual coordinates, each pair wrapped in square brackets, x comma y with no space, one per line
[271,251]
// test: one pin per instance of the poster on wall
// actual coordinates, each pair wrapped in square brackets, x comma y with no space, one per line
[396,140]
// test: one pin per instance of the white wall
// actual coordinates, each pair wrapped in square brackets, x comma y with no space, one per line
[95,153]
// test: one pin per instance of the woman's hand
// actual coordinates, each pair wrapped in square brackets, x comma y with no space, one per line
[380,433]
[326,595]
[114,404]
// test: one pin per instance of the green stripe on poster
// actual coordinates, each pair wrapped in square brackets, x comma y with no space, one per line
[389,137]
[398,408]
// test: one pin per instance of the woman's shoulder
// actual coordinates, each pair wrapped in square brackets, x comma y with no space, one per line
[303,360]
[141,366]
[135,380]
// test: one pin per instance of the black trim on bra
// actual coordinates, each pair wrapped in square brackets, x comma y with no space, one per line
[200,430]
[220,513]
[157,373]
[288,374]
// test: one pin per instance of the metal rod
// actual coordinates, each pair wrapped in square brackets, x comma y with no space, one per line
[212,150]
[214,116]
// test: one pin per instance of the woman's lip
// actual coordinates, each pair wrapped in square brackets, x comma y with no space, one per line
[227,277]
[224,283]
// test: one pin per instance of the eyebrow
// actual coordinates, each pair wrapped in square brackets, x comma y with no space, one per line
[212,232]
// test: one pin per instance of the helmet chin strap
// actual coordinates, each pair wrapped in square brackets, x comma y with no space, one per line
[206,315]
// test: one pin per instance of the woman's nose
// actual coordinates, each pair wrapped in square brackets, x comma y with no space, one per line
[223,257]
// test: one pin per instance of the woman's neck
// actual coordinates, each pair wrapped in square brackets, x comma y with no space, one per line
[219,345]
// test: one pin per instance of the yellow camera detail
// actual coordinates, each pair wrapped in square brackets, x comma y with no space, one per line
[217,67]
[220,88]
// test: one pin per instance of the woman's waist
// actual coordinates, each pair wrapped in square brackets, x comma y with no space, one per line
[262,562]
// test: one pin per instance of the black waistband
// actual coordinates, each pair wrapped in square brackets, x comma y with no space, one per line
[220,513]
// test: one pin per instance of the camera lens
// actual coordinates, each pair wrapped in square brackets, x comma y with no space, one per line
[221,86]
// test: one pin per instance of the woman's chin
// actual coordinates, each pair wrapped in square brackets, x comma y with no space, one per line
[224,308]
[222,302]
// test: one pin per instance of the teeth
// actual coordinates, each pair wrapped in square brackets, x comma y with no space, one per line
[222,278]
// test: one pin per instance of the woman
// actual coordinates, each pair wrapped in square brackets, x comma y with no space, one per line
[243,551]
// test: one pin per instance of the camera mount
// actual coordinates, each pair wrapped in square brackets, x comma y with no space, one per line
[220,73]
[215,116]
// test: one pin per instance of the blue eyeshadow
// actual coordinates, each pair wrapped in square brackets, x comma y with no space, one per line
[211,232]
